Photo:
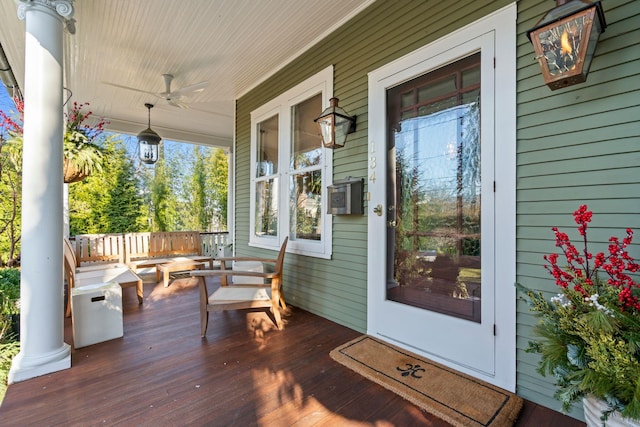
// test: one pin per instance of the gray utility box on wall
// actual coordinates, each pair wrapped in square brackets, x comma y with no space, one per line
[345,197]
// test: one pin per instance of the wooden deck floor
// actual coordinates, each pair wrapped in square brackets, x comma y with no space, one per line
[161,373]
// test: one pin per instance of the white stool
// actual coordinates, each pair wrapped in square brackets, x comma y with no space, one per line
[96,312]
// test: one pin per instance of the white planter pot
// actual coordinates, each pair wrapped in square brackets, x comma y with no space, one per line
[593,411]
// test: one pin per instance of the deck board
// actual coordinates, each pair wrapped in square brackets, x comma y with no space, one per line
[244,373]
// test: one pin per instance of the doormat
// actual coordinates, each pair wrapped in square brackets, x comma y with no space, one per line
[450,395]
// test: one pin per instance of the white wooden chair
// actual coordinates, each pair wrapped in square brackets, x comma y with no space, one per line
[241,296]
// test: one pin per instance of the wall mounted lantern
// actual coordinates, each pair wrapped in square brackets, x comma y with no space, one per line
[148,142]
[565,39]
[335,124]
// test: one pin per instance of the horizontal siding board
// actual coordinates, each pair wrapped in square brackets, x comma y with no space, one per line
[625,112]
[617,131]
[578,193]
[579,145]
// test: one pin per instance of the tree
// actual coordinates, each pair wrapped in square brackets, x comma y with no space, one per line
[197,193]
[10,187]
[217,187]
[109,201]
[165,185]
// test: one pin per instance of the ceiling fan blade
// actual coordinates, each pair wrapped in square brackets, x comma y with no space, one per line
[177,103]
[130,88]
[198,87]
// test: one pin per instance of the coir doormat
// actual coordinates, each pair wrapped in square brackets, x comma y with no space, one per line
[452,396]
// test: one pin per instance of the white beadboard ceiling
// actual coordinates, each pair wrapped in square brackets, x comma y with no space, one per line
[231,44]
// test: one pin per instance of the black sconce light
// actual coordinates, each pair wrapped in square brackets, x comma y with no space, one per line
[335,124]
[565,40]
[148,142]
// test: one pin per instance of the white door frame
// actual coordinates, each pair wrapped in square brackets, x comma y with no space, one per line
[503,24]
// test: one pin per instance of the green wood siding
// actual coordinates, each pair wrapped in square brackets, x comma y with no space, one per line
[337,288]
[576,145]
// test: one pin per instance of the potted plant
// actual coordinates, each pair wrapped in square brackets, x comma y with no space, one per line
[82,155]
[589,333]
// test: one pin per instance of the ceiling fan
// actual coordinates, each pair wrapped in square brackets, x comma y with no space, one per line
[173,98]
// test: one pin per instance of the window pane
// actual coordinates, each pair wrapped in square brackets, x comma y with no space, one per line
[306,147]
[267,156]
[306,205]
[267,208]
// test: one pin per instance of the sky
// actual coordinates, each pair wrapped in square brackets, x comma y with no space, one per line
[6,105]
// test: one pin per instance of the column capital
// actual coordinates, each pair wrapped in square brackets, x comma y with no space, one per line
[63,8]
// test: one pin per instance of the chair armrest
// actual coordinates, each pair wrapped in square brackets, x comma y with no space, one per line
[246,259]
[219,273]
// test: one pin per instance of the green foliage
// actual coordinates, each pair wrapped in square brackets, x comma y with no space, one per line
[588,335]
[201,214]
[217,178]
[9,346]
[7,352]
[9,290]
[108,201]
[161,197]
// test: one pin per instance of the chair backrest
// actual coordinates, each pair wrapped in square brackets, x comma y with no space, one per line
[137,246]
[164,244]
[69,262]
[70,253]
[280,259]
[99,249]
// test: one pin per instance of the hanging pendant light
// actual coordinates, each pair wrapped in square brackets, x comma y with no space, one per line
[148,141]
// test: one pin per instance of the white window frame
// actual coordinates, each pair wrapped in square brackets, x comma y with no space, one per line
[320,83]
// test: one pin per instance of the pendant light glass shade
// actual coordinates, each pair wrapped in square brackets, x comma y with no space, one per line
[148,142]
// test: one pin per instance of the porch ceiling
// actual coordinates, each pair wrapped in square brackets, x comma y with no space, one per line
[232,44]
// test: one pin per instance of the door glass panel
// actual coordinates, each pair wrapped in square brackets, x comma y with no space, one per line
[434,228]
[434,107]
[437,89]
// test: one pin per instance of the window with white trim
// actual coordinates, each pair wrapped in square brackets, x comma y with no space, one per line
[290,170]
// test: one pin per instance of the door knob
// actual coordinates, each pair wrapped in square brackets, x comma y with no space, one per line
[378,210]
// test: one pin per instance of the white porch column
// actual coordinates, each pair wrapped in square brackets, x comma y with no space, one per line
[42,347]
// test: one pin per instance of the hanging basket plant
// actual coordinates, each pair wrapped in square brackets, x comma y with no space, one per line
[71,173]
[82,155]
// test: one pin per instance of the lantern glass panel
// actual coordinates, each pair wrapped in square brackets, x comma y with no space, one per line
[342,129]
[564,44]
[148,152]
[326,128]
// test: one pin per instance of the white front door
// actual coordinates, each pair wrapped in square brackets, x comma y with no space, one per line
[441,212]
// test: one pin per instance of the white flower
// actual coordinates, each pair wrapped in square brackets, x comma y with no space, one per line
[593,302]
[561,300]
